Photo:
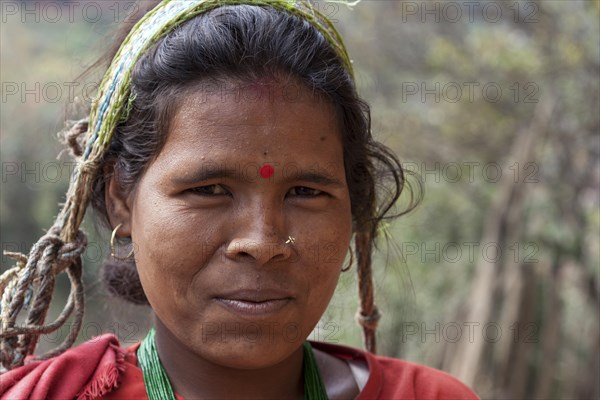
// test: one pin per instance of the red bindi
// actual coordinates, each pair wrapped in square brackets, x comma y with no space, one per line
[266,171]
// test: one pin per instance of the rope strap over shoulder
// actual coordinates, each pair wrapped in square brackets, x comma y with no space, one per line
[30,284]
[368,315]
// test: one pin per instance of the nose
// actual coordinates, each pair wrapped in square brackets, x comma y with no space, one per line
[259,237]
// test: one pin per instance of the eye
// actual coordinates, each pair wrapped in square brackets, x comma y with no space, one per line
[303,191]
[210,190]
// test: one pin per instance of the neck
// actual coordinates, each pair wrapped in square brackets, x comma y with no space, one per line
[192,376]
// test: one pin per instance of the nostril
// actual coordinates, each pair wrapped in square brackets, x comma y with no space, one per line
[250,249]
[242,255]
[241,249]
[260,252]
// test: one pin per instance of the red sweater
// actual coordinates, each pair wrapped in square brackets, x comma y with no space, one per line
[98,370]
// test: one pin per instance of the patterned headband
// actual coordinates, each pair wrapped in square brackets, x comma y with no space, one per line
[61,248]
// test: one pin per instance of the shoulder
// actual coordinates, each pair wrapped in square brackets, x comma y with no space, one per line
[390,378]
[131,380]
[85,372]
[409,380]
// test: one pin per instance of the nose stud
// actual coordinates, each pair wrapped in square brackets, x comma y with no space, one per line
[290,240]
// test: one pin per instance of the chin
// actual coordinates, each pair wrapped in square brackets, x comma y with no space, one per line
[243,353]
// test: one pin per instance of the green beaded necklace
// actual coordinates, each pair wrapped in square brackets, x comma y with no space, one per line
[158,386]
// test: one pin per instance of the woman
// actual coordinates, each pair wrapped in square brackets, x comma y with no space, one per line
[229,153]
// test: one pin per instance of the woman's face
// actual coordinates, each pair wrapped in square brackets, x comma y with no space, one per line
[241,172]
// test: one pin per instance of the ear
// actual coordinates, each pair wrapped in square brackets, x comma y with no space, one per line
[118,206]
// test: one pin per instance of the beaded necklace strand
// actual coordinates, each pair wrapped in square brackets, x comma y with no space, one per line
[158,386]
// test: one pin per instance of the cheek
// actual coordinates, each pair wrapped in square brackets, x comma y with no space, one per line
[322,282]
[169,248]
[324,254]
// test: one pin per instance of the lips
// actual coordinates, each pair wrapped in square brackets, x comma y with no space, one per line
[255,295]
[255,302]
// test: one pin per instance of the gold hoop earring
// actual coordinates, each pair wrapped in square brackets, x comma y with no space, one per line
[351,260]
[113,253]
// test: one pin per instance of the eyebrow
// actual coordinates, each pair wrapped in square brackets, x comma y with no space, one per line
[315,177]
[204,174]
[214,172]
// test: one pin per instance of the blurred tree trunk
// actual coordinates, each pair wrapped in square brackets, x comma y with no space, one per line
[502,221]
[523,334]
[550,333]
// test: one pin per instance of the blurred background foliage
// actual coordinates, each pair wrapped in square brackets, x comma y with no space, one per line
[495,105]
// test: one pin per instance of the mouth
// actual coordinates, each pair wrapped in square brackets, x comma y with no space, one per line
[254,302]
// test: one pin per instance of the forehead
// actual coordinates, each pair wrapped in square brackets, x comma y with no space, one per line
[254,122]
